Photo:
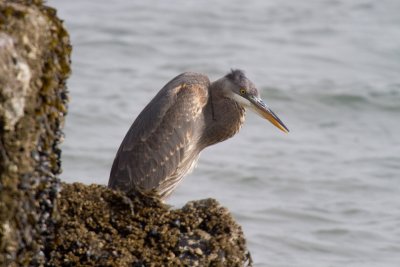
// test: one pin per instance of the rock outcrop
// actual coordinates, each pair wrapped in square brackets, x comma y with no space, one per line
[102,227]
[34,65]
[44,222]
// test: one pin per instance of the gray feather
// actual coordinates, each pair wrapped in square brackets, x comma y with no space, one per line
[157,142]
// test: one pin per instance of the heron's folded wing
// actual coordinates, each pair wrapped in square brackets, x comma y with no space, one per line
[157,141]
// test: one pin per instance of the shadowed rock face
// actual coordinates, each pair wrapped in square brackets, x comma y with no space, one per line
[46,223]
[34,64]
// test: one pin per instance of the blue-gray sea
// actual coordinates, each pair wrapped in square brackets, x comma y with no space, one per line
[327,193]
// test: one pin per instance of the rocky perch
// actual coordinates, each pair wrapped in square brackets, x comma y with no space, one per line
[44,222]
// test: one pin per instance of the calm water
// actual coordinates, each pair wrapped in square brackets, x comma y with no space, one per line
[328,193]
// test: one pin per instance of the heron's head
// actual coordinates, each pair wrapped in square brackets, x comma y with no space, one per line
[244,92]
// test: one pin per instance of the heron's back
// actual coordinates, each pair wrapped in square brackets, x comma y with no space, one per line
[161,145]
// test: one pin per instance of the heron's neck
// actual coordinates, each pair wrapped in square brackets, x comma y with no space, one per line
[223,116]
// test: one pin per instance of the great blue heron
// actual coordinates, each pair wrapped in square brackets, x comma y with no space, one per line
[187,115]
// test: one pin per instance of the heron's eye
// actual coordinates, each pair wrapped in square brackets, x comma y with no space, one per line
[242,91]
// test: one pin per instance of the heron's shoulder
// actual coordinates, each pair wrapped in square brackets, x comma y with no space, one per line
[194,75]
[186,85]
[193,79]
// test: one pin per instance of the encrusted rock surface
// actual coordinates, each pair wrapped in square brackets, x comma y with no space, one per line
[102,227]
[34,64]
[44,222]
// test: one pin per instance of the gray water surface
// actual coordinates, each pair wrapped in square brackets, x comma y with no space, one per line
[327,193]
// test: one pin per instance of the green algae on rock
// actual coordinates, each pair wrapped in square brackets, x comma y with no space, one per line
[102,227]
[34,64]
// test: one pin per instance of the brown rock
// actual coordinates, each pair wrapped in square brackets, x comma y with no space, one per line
[34,64]
[102,227]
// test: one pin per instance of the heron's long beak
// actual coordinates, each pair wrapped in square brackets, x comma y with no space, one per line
[261,108]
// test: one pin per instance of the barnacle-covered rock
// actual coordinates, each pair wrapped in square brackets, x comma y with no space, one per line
[34,64]
[103,227]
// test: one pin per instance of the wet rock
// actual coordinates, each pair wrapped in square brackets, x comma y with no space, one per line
[44,222]
[102,227]
[34,64]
